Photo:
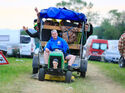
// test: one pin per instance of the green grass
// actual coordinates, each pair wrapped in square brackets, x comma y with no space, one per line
[111,70]
[15,68]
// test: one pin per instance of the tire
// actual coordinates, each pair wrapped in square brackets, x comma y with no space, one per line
[35,70]
[41,75]
[102,59]
[121,62]
[35,63]
[83,74]
[68,77]
[83,67]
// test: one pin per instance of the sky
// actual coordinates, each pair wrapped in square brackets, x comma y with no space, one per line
[17,13]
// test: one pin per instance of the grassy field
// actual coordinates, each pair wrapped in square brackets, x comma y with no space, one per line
[111,70]
[15,68]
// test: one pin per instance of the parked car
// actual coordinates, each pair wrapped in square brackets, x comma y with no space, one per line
[3,49]
[111,56]
[97,47]
[27,45]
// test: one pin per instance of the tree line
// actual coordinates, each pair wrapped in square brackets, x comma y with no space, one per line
[112,27]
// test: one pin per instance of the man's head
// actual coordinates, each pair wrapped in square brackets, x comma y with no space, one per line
[36,26]
[54,34]
[86,27]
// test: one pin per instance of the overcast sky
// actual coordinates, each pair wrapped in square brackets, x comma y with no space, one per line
[16,13]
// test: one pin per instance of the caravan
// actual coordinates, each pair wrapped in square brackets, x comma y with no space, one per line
[11,40]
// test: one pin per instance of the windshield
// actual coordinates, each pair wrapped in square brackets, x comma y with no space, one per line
[95,46]
[24,40]
[101,46]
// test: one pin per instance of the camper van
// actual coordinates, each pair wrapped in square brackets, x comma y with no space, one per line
[27,45]
[97,47]
[11,40]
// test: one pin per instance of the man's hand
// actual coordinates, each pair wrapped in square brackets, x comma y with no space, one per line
[25,28]
[47,50]
[36,9]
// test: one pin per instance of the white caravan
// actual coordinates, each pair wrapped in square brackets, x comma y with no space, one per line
[11,40]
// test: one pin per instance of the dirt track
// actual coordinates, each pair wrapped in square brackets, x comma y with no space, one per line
[99,82]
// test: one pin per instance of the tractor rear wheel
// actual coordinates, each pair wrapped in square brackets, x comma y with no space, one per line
[83,67]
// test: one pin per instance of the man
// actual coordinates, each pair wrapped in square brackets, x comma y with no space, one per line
[121,45]
[89,31]
[57,42]
[36,31]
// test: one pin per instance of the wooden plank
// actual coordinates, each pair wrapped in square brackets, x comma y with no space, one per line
[51,27]
[55,27]
[71,46]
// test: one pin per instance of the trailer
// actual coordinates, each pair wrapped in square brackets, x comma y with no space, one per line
[11,40]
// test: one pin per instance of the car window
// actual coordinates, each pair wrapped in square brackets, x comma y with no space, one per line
[103,46]
[95,46]
[4,37]
[25,40]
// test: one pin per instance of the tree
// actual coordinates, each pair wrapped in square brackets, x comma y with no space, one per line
[112,27]
[78,6]
[75,5]
[114,16]
[22,32]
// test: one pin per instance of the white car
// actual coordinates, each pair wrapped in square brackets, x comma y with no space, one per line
[27,45]
[111,56]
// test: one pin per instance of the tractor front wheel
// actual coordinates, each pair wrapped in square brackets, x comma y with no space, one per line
[41,74]
[68,77]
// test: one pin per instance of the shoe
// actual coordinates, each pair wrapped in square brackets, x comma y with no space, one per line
[69,68]
[35,76]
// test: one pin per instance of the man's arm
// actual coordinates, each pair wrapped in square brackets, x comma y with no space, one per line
[38,14]
[47,46]
[31,32]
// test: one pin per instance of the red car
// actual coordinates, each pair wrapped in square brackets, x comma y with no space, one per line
[97,47]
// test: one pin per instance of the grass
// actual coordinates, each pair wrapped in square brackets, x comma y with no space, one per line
[15,68]
[9,75]
[112,70]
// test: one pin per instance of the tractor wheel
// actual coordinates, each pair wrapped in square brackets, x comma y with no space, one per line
[41,74]
[68,76]
[83,67]
[121,62]
[35,70]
